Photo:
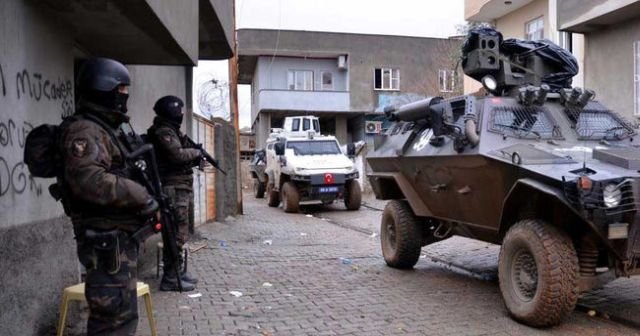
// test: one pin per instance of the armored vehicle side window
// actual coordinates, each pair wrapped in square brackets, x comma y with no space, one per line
[296,125]
[524,122]
[316,125]
[306,124]
[596,123]
[314,147]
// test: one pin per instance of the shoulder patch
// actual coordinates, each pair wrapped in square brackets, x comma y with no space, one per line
[79,147]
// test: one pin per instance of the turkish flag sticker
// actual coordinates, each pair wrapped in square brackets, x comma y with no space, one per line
[328,179]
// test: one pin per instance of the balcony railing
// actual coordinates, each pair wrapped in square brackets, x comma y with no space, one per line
[313,101]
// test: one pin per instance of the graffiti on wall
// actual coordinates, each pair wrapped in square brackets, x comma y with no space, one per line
[14,177]
[30,87]
[4,88]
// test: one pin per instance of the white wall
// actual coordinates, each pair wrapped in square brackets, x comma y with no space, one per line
[39,55]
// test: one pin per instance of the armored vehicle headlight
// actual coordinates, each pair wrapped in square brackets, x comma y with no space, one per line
[489,83]
[611,195]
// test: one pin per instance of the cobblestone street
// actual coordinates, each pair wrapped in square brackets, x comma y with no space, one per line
[323,274]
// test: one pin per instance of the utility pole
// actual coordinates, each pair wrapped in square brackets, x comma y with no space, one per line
[233,97]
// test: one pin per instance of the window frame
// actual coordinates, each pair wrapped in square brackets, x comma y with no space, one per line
[322,85]
[449,77]
[306,80]
[636,78]
[391,79]
[295,125]
[539,19]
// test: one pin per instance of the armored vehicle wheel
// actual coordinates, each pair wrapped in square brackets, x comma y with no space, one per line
[400,235]
[273,197]
[352,195]
[290,197]
[538,272]
[258,189]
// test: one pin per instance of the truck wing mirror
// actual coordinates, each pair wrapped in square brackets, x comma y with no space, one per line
[279,148]
[351,149]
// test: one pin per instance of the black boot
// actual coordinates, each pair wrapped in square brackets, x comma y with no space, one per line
[185,276]
[169,283]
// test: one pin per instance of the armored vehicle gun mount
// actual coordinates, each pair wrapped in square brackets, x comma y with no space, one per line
[536,165]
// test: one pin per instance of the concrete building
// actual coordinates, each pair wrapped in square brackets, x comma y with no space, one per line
[525,19]
[612,49]
[42,44]
[344,79]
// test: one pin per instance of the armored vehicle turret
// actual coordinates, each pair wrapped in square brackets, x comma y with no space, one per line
[535,165]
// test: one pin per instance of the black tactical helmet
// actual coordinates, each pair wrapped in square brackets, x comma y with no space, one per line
[170,108]
[98,81]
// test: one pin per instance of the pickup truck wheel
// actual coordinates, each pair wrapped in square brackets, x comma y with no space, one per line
[352,195]
[258,189]
[538,272]
[400,235]
[273,197]
[290,197]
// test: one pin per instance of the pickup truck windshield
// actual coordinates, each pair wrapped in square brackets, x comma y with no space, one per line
[314,147]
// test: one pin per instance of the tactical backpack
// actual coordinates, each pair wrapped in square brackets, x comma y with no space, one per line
[41,152]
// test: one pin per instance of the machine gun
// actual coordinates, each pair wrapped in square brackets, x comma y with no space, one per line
[205,154]
[144,160]
[436,114]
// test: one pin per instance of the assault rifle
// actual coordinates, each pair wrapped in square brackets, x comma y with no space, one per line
[144,160]
[207,157]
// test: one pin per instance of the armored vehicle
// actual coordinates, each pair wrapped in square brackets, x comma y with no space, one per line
[535,165]
[256,169]
[303,166]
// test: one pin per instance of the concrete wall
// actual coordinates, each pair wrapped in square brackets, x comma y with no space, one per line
[418,59]
[37,252]
[275,73]
[181,20]
[513,24]
[609,73]
[150,83]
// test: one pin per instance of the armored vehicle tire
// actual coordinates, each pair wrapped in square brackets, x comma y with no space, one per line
[538,272]
[290,197]
[352,195]
[258,189]
[400,235]
[273,197]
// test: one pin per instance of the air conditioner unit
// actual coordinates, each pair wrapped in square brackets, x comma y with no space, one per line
[372,127]
[342,62]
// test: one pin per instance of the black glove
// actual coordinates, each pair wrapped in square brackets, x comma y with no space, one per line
[149,208]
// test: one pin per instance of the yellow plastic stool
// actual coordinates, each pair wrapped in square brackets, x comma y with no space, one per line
[76,293]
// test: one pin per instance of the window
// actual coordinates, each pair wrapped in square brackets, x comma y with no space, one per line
[534,29]
[316,125]
[564,40]
[306,125]
[327,80]
[300,80]
[386,79]
[296,125]
[314,147]
[447,80]
[636,78]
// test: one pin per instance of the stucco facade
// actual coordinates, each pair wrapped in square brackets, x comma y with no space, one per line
[41,45]
[612,49]
[266,56]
